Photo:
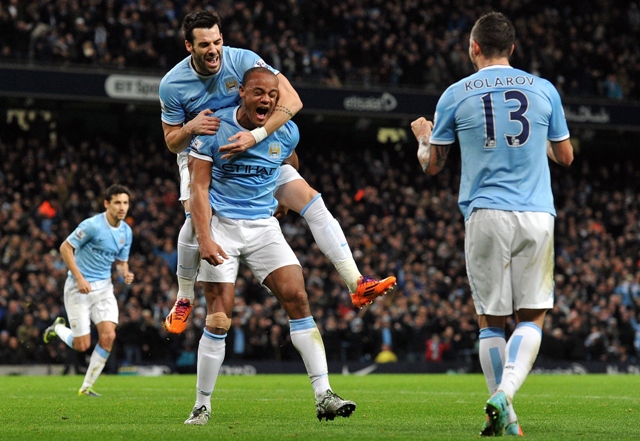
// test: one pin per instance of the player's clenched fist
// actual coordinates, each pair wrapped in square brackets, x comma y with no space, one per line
[422,127]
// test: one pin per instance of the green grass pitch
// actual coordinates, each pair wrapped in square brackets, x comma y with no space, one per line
[281,407]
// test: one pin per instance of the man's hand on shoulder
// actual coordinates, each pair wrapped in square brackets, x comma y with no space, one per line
[238,143]
[203,124]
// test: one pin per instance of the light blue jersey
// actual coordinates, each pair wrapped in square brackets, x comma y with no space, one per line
[243,186]
[184,93]
[503,118]
[97,245]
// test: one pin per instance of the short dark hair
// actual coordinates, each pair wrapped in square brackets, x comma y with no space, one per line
[253,71]
[495,35]
[200,19]
[116,189]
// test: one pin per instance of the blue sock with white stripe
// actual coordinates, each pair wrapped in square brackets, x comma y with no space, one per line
[211,351]
[521,351]
[491,354]
[307,340]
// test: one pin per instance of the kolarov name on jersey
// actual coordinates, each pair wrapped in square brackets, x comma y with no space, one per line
[487,83]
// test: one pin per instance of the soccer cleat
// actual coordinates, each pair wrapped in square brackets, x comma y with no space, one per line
[176,321]
[513,429]
[88,392]
[369,289]
[50,332]
[199,416]
[330,405]
[497,412]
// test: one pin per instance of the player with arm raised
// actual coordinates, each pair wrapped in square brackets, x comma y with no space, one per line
[89,253]
[232,205]
[209,80]
[503,119]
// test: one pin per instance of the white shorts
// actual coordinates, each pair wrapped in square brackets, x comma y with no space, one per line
[257,243]
[100,305]
[287,174]
[509,258]
[185,179]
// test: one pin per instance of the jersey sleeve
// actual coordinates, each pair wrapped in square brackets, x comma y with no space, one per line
[558,129]
[292,138]
[444,123]
[82,234]
[170,105]
[245,59]
[123,255]
[203,146]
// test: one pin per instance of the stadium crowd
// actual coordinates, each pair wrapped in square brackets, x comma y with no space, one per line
[584,48]
[397,220]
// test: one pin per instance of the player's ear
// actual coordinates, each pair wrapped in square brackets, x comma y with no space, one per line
[188,46]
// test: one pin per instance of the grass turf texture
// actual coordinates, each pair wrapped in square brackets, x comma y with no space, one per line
[265,407]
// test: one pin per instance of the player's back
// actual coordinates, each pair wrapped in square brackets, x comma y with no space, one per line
[503,118]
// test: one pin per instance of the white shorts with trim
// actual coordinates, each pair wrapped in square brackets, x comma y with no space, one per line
[287,174]
[259,244]
[100,305]
[185,179]
[510,260]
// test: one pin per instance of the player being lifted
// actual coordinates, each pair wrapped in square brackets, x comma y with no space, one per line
[209,80]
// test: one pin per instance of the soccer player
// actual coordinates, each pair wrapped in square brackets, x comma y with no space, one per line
[239,191]
[209,80]
[89,253]
[507,122]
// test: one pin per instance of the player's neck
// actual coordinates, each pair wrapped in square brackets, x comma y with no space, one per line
[488,62]
[113,221]
[244,120]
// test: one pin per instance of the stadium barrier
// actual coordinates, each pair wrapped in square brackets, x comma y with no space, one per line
[102,86]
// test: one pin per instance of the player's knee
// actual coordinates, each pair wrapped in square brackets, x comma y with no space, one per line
[106,340]
[218,323]
[80,344]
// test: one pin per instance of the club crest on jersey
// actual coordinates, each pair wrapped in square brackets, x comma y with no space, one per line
[231,85]
[275,150]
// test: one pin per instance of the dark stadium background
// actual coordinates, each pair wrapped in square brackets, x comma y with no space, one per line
[356,148]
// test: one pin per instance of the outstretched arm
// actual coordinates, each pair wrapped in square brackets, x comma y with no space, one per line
[289,104]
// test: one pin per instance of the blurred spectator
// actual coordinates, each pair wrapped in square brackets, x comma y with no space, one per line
[386,355]
[365,43]
[436,349]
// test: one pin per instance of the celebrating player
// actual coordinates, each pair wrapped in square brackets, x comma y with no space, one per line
[209,80]
[503,118]
[239,191]
[89,253]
